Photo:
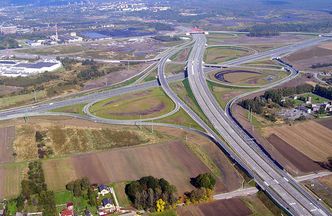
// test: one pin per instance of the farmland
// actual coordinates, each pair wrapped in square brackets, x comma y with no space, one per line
[322,187]
[128,164]
[305,58]
[64,140]
[310,138]
[144,104]
[7,136]
[170,153]
[11,176]
[231,207]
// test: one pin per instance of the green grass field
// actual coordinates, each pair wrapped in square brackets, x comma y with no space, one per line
[246,76]
[11,176]
[224,94]
[141,105]
[15,100]
[75,109]
[215,55]
[181,118]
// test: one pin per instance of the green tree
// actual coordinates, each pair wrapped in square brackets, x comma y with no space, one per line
[206,180]
[47,202]
[77,189]
[92,197]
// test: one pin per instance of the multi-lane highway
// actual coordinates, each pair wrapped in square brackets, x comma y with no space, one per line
[268,176]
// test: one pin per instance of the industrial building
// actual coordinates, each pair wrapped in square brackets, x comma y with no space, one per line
[11,68]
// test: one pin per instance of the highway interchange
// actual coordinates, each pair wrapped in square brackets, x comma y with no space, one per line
[239,146]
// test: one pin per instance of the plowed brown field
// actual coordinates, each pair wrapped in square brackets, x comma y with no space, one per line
[231,207]
[7,136]
[310,138]
[172,161]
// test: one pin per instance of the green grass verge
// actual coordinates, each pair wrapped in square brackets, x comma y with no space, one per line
[75,109]
[181,118]
[16,100]
[215,55]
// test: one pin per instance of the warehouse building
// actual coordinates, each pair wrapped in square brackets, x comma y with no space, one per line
[21,68]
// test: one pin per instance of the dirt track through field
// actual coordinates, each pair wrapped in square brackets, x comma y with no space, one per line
[310,138]
[231,207]
[7,136]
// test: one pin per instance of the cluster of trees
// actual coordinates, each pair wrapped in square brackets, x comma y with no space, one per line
[321,65]
[257,104]
[325,92]
[90,73]
[261,30]
[7,42]
[82,187]
[145,192]
[205,180]
[161,26]
[43,150]
[204,184]
[276,94]
[34,191]
[165,38]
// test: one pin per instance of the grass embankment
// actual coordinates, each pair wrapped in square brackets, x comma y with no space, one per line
[181,118]
[141,105]
[183,90]
[224,94]
[75,109]
[16,100]
[174,68]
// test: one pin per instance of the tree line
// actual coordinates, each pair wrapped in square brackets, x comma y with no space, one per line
[257,104]
[321,65]
[262,30]
[7,42]
[325,92]
[153,194]
[34,192]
